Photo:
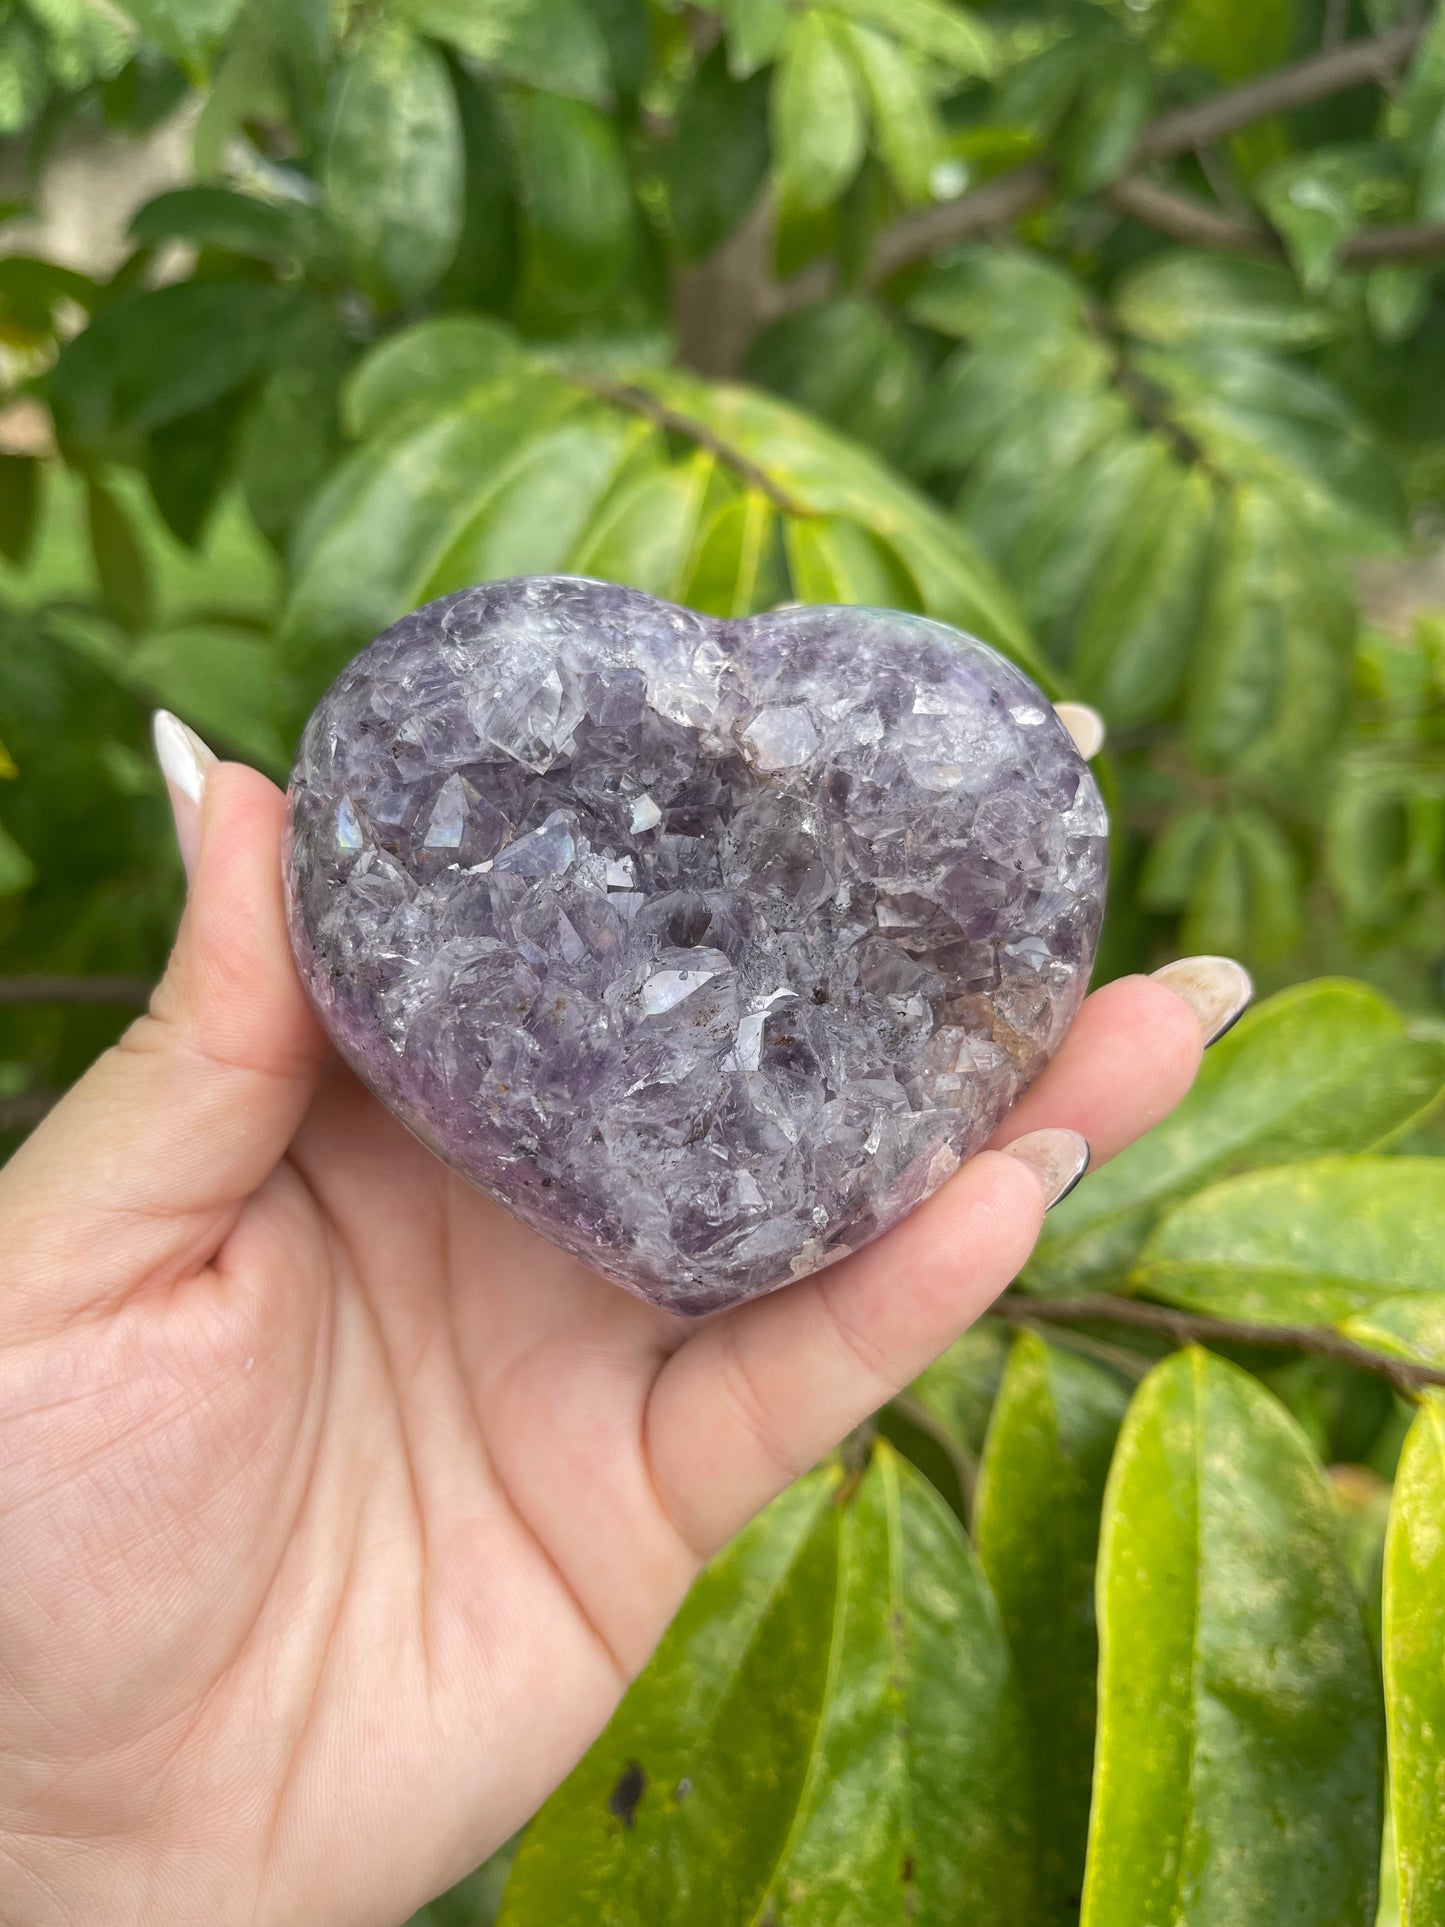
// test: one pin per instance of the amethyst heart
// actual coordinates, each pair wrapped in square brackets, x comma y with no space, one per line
[709,948]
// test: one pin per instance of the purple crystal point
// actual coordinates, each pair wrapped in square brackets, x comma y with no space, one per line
[709,948]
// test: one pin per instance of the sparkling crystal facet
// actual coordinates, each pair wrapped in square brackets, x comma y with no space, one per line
[708,948]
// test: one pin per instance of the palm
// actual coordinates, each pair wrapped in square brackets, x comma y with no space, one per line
[338,1507]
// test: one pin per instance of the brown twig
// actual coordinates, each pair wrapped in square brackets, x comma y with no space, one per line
[626,395]
[1300,85]
[1202,226]
[1188,1328]
[1010,196]
[122,992]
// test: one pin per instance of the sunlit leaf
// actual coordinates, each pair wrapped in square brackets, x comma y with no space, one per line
[831,1730]
[819,131]
[1310,1243]
[1239,1754]
[1036,1524]
[1325,1067]
[1414,1632]
[393,171]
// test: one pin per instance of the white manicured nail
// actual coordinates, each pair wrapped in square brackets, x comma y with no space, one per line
[1059,1157]
[185,761]
[1085,725]
[1216,989]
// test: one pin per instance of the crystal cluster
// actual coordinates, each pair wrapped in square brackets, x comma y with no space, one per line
[709,948]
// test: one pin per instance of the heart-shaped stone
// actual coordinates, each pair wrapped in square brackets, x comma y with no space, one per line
[709,948]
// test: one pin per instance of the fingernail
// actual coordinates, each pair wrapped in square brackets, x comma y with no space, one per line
[1060,1157]
[1085,725]
[1216,989]
[185,761]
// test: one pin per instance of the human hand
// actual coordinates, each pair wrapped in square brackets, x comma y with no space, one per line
[339,1509]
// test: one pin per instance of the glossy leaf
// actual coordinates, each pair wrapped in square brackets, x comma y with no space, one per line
[1325,1067]
[830,1731]
[1414,1632]
[393,168]
[907,129]
[220,679]
[578,225]
[450,411]
[756,32]
[188,463]
[1108,118]
[819,131]
[957,1391]
[217,217]
[1309,1243]
[155,356]
[939,28]
[1131,651]
[1239,1752]
[1036,1525]
[188,30]
[1182,295]
[555,44]
[846,361]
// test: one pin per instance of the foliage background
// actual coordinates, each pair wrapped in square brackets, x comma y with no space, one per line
[1112,330]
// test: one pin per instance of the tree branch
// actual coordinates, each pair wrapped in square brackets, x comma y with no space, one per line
[1008,197]
[1316,78]
[1186,1328]
[122,992]
[1193,221]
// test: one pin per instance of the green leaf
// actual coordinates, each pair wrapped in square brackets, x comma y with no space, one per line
[718,157]
[1172,866]
[448,405]
[1232,38]
[19,505]
[1397,294]
[155,356]
[393,168]
[534,510]
[957,1391]
[936,28]
[830,1730]
[1268,683]
[188,30]
[735,559]
[1103,129]
[1041,1487]
[283,232]
[988,292]
[1325,1067]
[188,463]
[122,569]
[848,362]
[1284,430]
[907,128]
[1238,1765]
[34,295]
[17,872]
[1184,295]
[833,560]
[1130,653]
[756,32]
[1307,1244]
[819,130]
[647,534]
[425,369]
[1273,882]
[1414,1632]
[291,435]
[221,680]
[554,44]
[484,270]
[579,226]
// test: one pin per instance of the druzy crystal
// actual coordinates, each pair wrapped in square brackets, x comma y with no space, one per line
[709,948]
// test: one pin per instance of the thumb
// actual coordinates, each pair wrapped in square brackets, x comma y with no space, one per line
[139,1174]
